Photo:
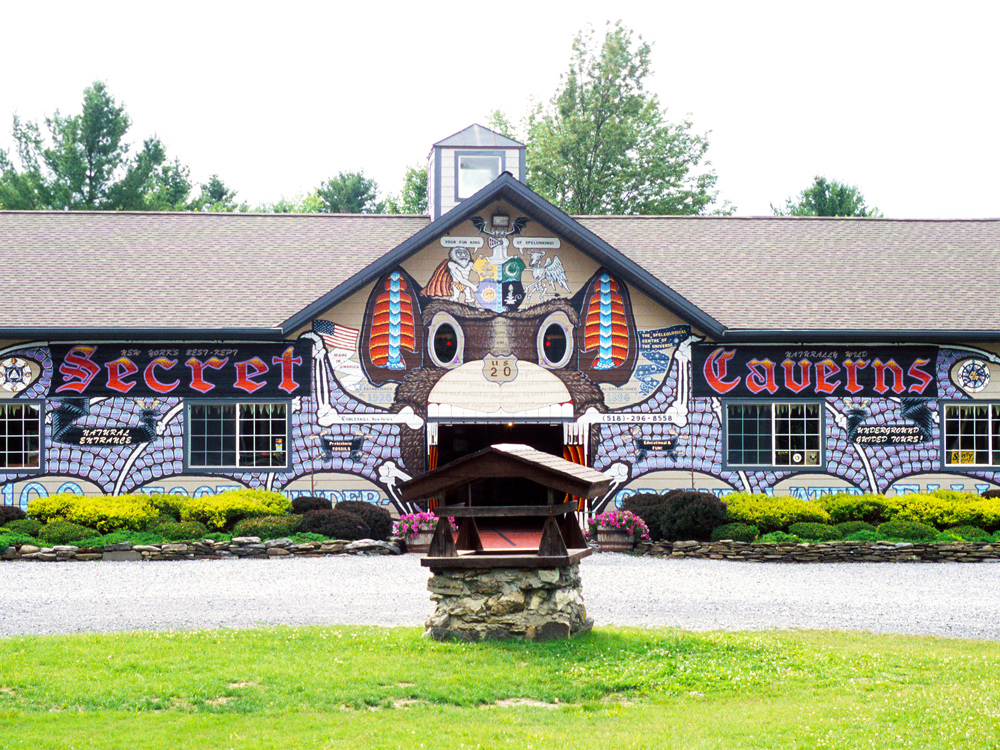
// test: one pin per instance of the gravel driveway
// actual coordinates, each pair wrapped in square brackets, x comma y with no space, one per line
[952,599]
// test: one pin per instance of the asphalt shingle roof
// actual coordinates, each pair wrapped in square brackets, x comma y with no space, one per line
[776,273]
[197,271]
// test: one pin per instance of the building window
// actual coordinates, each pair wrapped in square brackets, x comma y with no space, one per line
[971,434]
[20,435]
[773,434]
[237,435]
[476,171]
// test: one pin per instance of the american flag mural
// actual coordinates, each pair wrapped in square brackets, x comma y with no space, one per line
[335,335]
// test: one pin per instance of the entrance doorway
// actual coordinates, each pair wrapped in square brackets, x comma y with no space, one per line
[462,439]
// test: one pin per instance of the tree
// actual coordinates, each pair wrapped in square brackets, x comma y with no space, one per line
[349,193]
[827,198]
[169,189]
[298,204]
[217,197]
[84,164]
[603,145]
[412,199]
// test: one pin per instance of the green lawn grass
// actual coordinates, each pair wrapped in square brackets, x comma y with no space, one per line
[333,687]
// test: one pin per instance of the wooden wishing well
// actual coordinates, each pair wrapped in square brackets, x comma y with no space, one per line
[515,507]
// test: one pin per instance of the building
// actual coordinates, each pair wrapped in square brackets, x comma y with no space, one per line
[339,355]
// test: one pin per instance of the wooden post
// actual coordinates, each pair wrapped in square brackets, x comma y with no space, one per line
[442,543]
[552,543]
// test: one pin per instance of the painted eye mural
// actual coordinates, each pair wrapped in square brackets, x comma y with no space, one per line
[555,341]
[447,344]
[607,347]
[392,334]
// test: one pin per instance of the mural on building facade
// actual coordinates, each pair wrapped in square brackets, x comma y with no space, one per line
[500,325]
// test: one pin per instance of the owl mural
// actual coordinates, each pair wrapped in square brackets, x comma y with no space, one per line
[453,358]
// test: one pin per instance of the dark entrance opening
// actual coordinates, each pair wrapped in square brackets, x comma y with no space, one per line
[463,439]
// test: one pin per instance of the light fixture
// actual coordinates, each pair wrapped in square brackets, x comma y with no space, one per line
[500,220]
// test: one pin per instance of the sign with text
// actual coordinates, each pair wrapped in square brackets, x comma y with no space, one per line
[141,370]
[814,372]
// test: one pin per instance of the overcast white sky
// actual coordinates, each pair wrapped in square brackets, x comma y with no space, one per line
[899,98]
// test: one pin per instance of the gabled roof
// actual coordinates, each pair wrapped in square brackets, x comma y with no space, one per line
[162,275]
[520,197]
[478,137]
[508,460]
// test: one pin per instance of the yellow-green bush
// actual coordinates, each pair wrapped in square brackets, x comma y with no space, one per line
[772,513]
[945,508]
[873,509]
[169,505]
[106,513]
[48,508]
[223,511]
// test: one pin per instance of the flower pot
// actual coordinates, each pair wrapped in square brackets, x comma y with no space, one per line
[419,543]
[614,540]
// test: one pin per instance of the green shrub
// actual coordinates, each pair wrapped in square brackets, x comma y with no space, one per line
[970,533]
[300,537]
[379,520]
[306,503]
[777,537]
[12,538]
[177,531]
[648,506]
[851,527]
[268,527]
[947,537]
[772,513]
[821,532]
[738,532]
[10,513]
[864,535]
[124,535]
[27,526]
[60,531]
[688,515]
[225,510]
[336,524]
[159,521]
[873,509]
[908,530]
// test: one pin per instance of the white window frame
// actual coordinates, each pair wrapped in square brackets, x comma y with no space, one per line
[244,458]
[991,436]
[31,415]
[816,454]
[495,157]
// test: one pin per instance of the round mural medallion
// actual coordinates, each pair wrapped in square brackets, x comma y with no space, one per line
[15,374]
[974,375]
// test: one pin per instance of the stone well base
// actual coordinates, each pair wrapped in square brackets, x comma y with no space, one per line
[527,603]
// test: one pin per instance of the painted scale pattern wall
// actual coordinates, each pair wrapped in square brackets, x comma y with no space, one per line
[870,468]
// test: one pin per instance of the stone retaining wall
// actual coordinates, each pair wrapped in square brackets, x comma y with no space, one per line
[788,552]
[247,546]
[253,547]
